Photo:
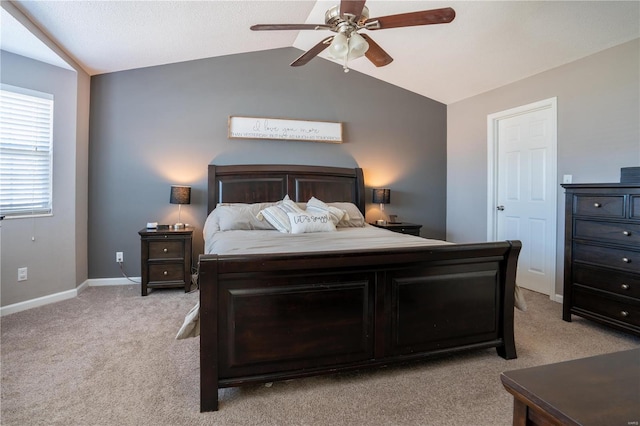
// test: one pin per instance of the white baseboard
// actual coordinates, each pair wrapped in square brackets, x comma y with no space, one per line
[64,295]
[558,298]
[98,282]
[39,301]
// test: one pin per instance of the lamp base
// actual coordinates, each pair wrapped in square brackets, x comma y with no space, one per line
[178,226]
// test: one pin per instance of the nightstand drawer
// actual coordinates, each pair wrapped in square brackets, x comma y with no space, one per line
[627,260]
[625,233]
[170,249]
[599,205]
[401,227]
[622,283]
[166,272]
[624,310]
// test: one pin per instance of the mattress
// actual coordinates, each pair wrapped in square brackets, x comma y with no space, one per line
[274,242]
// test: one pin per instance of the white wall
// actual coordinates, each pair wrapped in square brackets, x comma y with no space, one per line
[598,133]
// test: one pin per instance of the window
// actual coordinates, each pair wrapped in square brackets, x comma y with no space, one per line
[26,145]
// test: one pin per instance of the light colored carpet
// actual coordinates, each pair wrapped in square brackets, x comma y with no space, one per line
[109,357]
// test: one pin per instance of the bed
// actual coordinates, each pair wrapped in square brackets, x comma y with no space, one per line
[284,315]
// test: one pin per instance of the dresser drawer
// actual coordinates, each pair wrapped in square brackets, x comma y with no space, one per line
[624,284]
[170,249]
[626,233]
[612,308]
[634,201]
[166,272]
[599,205]
[627,260]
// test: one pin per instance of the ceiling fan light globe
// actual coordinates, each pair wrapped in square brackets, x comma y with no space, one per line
[358,46]
[339,47]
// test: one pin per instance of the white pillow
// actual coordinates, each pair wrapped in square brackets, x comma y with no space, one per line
[353,217]
[305,222]
[319,207]
[241,216]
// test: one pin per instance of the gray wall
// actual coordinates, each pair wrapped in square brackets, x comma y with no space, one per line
[598,133]
[53,264]
[153,127]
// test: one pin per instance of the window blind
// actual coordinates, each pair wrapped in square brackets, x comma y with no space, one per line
[26,139]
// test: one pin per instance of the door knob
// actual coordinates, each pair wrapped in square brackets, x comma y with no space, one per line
[500,208]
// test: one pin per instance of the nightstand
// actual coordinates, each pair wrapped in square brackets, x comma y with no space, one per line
[401,227]
[166,258]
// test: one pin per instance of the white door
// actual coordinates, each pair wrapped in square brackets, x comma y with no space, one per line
[525,192]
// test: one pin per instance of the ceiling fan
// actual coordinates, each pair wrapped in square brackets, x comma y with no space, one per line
[351,16]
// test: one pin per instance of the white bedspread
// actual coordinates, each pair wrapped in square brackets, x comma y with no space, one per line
[272,241]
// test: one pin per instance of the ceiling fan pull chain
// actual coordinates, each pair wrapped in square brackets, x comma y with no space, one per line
[346,65]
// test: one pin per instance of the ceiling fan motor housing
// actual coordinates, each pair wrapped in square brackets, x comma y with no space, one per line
[334,18]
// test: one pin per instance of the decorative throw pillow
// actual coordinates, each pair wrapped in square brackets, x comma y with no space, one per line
[277,217]
[305,223]
[319,207]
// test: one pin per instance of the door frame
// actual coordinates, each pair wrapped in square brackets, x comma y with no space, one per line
[492,170]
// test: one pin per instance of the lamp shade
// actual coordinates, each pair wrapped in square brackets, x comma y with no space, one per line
[339,47]
[358,46]
[180,194]
[381,196]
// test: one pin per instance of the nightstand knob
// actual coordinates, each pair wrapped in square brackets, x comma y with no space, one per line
[625,286]
[626,260]
[626,233]
[624,313]
[597,205]
[164,273]
[165,250]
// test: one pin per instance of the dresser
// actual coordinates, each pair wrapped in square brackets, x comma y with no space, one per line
[166,258]
[602,254]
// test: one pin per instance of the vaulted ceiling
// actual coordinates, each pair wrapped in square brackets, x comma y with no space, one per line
[488,45]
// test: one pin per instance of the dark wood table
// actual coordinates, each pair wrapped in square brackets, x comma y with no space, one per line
[601,390]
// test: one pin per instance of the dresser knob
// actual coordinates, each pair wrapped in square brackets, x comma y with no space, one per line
[624,313]
[164,273]
[625,286]
[165,250]
[626,233]
[597,205]
[626,260]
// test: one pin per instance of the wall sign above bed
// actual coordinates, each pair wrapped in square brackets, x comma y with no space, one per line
[284,129]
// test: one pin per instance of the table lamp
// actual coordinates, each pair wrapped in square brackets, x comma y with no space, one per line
[381,196]
[180,195]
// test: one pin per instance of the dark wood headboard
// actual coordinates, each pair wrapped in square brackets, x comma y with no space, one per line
[270,183]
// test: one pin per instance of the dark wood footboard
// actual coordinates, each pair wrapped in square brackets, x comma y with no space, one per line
[274,317]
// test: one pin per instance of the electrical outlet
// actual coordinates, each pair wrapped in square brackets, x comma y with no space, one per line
[567,178]
[119,257]
[22,274]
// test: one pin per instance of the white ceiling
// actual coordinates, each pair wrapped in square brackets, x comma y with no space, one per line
[489,44]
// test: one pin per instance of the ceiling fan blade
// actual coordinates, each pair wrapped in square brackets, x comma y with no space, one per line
[269,27]
[376,54]
[352,7]
[425,17]
[312,53]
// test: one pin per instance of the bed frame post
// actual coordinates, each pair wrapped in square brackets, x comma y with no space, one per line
[208,334]
[509,268]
